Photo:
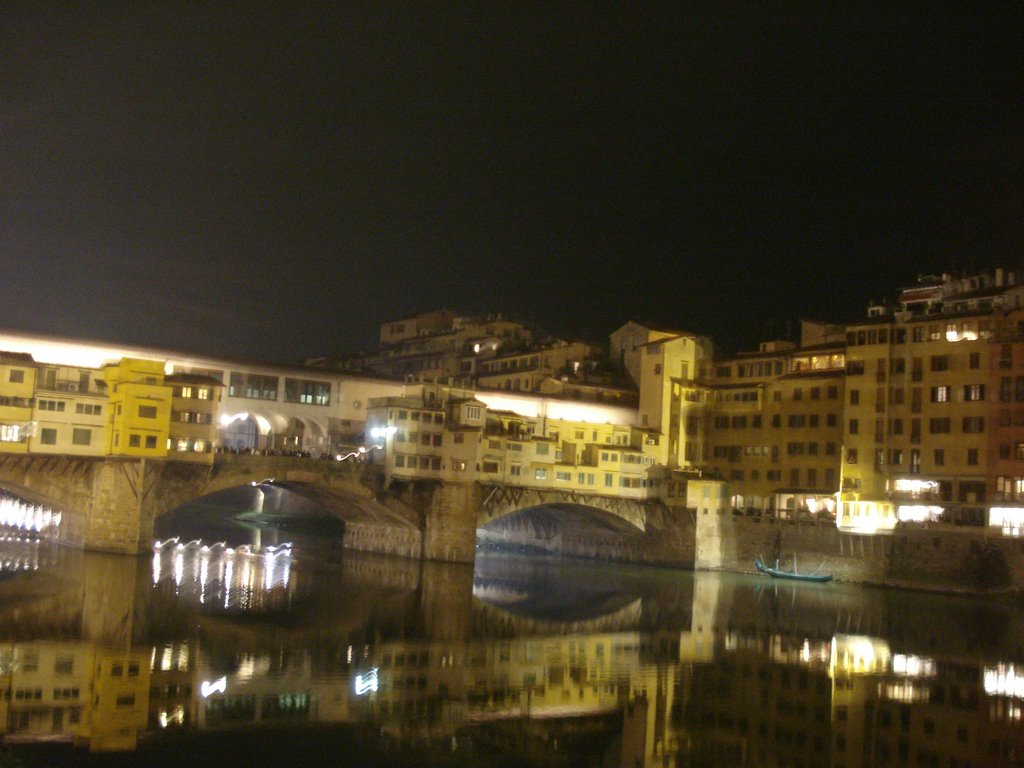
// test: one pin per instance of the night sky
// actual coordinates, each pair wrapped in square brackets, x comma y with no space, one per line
[273,181]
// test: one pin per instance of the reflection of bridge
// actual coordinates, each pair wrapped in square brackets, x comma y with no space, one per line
[111,504]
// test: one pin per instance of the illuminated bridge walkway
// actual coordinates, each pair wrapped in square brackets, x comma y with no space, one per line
[111,504]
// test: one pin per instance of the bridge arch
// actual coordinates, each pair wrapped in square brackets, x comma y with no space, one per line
[502,500]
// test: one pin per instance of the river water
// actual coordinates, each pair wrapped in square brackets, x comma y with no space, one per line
[252,645]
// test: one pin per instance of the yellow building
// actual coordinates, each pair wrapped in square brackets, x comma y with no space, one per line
[672,401]
[140,402]
[776,427]
[17,387]
[917,397]
[70,411]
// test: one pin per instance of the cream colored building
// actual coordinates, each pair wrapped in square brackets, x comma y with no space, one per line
[71,411]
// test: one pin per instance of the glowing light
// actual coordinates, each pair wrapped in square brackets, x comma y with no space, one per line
[15,513]
[1010,519]
[864,517]
[379,432]
[1004,680]
[208,688]
[915,486]
[965,335]
[913,666]
[919,513]
[366,683]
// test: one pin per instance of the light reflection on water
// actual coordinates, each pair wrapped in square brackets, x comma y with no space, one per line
[520,661]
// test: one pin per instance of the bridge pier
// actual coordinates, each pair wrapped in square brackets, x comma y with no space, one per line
[106,504]
[449,530]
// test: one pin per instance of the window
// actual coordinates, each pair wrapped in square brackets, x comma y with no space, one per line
[854,426]
[81,436]
[939,362]
[308,392]
[134,441]
[540,473]
[851,455]
[515,470]
[147,411]
[490,467]
[940,457]
[48,436]
[151,441]
[16,376]
[974,392]
[972,457]
[854,397]
[974,360]
[89,409]
[939,426]
[940,394]
[973,424]
[473,412]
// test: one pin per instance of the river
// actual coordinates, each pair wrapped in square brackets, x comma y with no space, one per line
[247,644]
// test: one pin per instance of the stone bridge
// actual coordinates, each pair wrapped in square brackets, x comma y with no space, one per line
[111,504]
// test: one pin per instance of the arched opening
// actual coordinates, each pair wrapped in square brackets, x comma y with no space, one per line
[292,438]
[241,435]
[567,529]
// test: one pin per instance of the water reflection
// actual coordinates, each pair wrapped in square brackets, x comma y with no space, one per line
[524,661]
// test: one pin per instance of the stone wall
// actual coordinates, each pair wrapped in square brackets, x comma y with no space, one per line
[944,559]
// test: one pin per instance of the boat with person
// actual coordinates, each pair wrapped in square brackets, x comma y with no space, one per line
[777,572]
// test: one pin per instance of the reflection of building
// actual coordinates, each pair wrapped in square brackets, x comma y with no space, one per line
[172,684]
[76,691]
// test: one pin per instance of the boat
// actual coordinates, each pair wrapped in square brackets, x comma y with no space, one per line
[779,573]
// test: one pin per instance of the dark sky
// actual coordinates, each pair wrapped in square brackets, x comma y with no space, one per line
[275,180]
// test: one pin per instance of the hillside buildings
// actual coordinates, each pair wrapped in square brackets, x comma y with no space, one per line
[912,415]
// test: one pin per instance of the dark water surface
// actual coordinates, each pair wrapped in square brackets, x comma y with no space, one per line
[252,652]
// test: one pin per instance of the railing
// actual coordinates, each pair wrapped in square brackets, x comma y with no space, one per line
[71,386]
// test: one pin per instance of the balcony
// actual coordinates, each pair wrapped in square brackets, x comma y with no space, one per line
[75,386]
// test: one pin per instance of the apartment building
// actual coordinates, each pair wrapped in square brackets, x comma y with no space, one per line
[922,389]
[776,424]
